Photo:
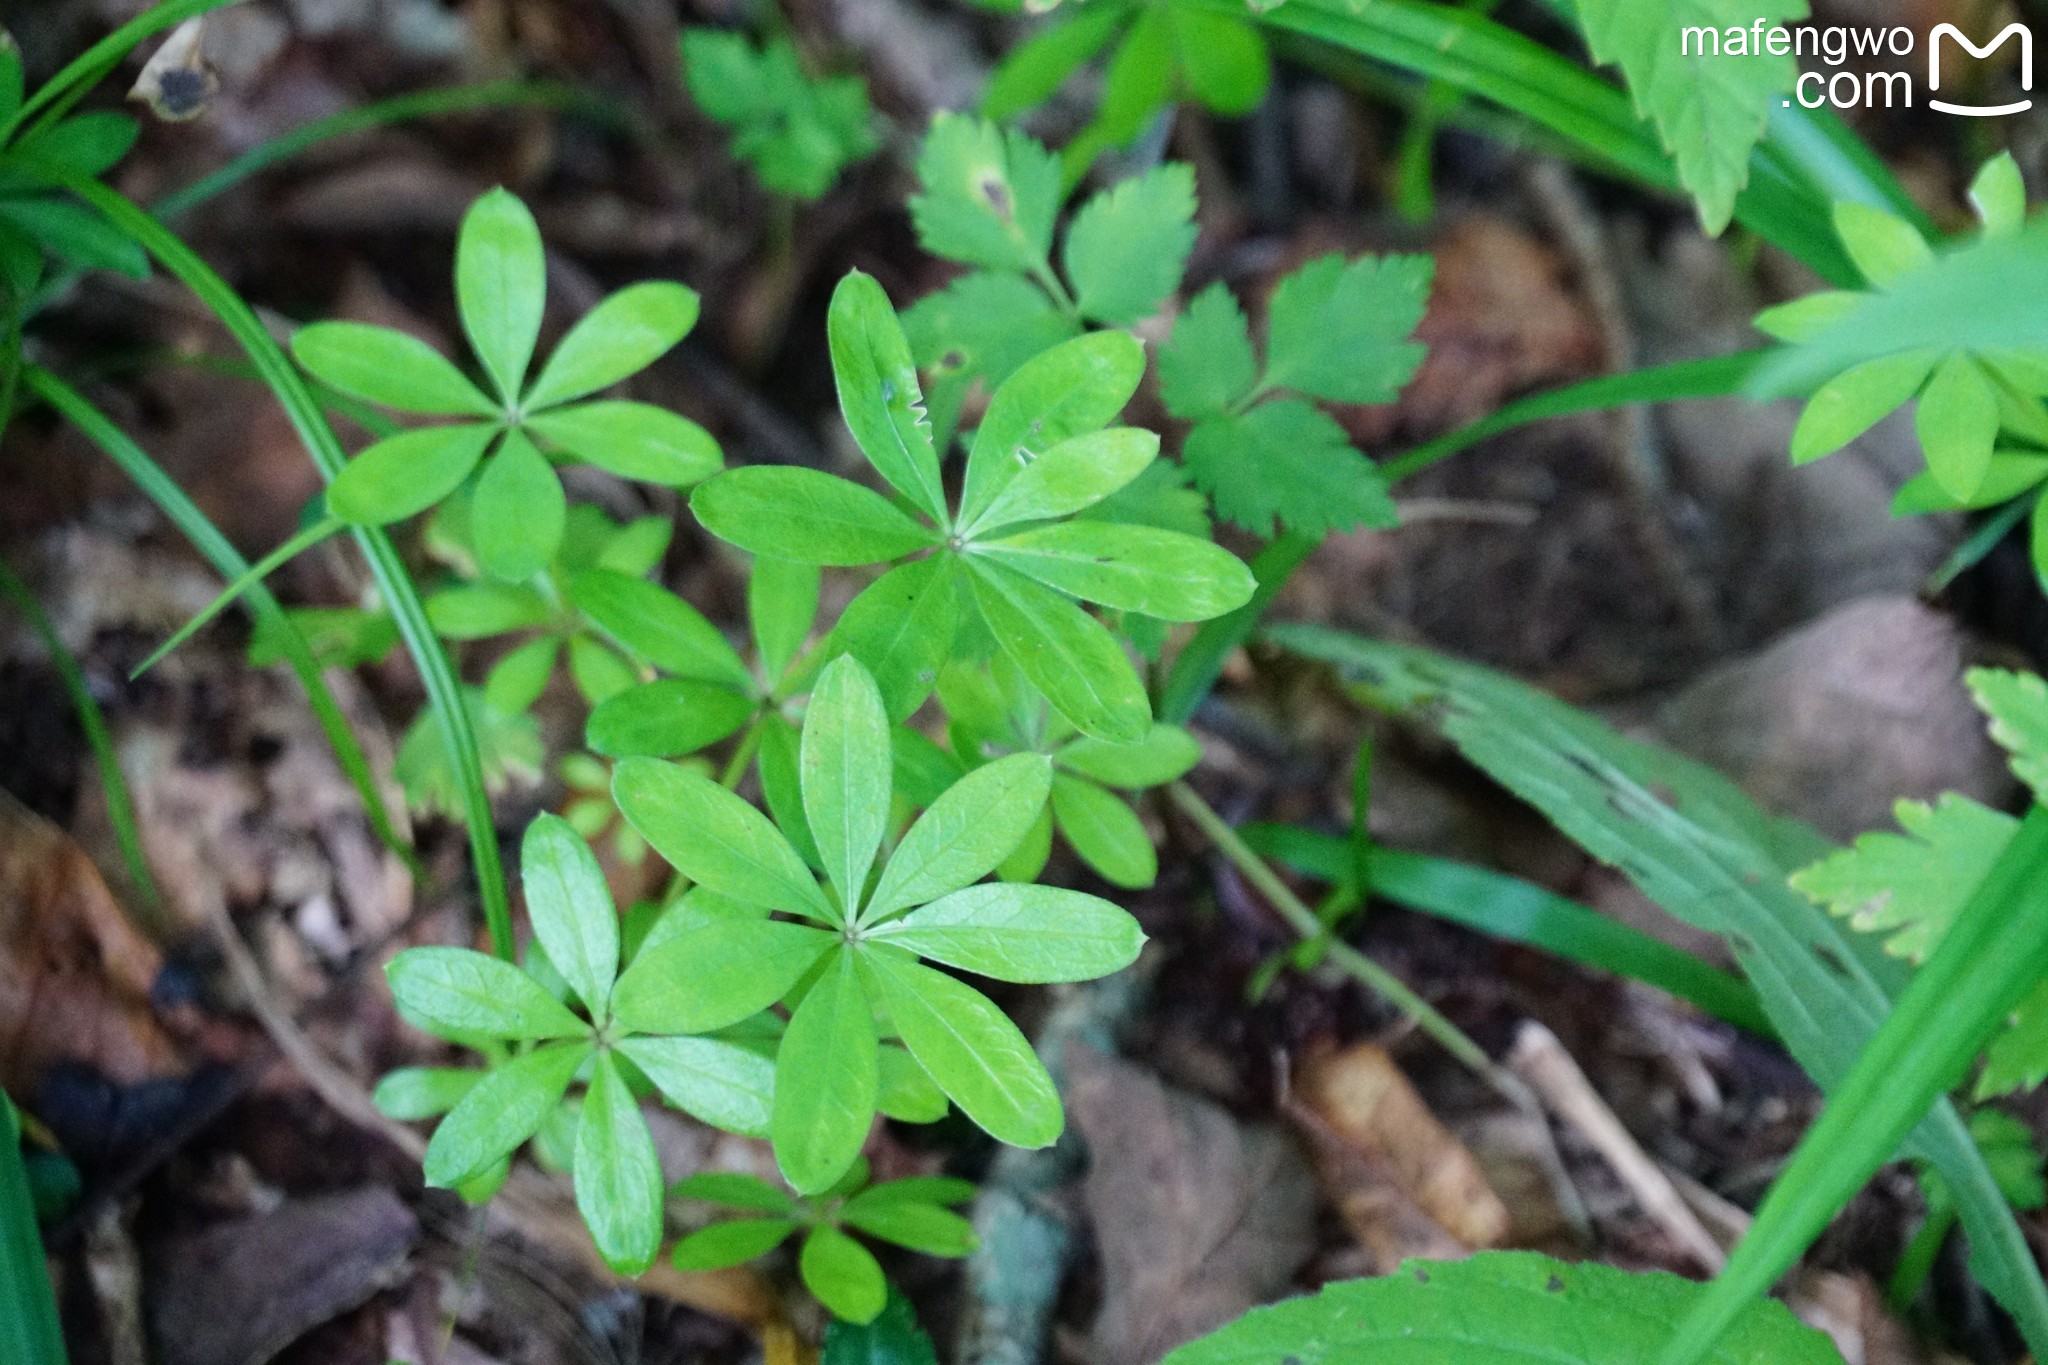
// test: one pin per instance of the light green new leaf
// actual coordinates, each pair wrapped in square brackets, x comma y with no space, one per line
[632,440]
[976,824]
[501,1111]
[1162,755]
[845,761]
[782,603]
[1076,387]
[2017,704]
[412,1093]
[623,335]
[1126,248]
[1105,831]
[879,394]
[516,518]
[1132,568]
[666,719]
[1999,195]
[711,836]
[910,1223]
[381,365]
[619,1187]
[1066,653]
[1287,462]
[987,197]
[460,991]
[1957,422]
[1207,364]
[723,1245]
[407,473]
[1808,315]
[1916,882]
[714,974]
[1884,246]
[843,1275]
[1075,474]
[660,627]
[1023,933]
[727,1086]
[825,1079]
[1340,331]
[971,1049]
[501,287]
[806,514]
[1854,401]
[571,909]
[901,628]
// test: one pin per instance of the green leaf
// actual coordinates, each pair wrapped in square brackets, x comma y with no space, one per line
[1207,364]
[1884,246]
[1165,753]
[412,1093]
[1028,862]
[1032,71]
[1159,496]
[666,719]
[901,628]
[894,1338]
[781,786]
[921,1227]
[2018,1058]
[636,548]
[879,393]
[1074,475]
[806,514]
[517,517]
[1808,315]
[1066,653]
[971,1049]
[714,974]
[1223,58]
[501,1111]
[1132,568]
[1031,934]
[1127,247]
[88,145]
[711,836]
[1854,401]
[2010,473]
[843,1275]
[76,235]
[732,1243]
[1077,387]
[975,825]
[919,1189]
[725,1085]
[1957,422]
[1999,195]
[782,603]
[1341,331]
[508,747]
[599,673]
[1915,883]
[1105,831]
[501,287]
[825,1079]
[381,365]
[1499,1308]
[987,197]
[623,335]
[1137,85]
[656,625]
[407,473]
[1709,108]
[907,1094]
[571,909]
[979,328]
[632,440]
[845,759]
[1287,463]
[734,1190]
[2017,704]
[619,1188]
[458,991]
[476,611]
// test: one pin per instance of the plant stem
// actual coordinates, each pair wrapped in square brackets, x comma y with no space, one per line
[1916,1263]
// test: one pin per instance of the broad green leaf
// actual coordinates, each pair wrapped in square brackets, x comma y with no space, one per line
[660,627]
[1132,568]
[908,1223]
[619,1187]
[516,519]
[1075,474]
[977,329]
[845,762]
[782,604]
[879,393]
[476,611]
[901,629]
[2017,704]
[843,1275]
[1499,1308]
[714,974]
[1999,195]
[1884,246]
[1223,58]
[666,719]
[501,287]
[1126,248]
[466,992]
[734,1190]
[1105,831]
[1286,463]
[623,335]
[501,1111]
[632,440]
[825,1079]
[599,673]
[987,197]
[1913,883]
[806,514]
[907,1094]
[1341,331]
[971,1049]
[711,836]
[382,365]
[1957,422]
[726,1085]
[1165,753]
[1207,364]
[407,473]
[1709,107]
[893,1338]
[731,1243]
[1077,387]
[965,833]
[1854,401]
[571,909]
[1066,653]
[1031,934]
[412,1093]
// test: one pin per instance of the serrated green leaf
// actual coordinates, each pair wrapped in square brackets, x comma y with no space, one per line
[501,1111]
[901,628]
[516,520]
[623,335]
[2017,704]
[731,1243]
[843,1275]
[715,973]
[632,440]
[571,909]
[1884,246]
[1066,653]
[806,514]
[1131,568]
[660,627]
[508,747]
[412,1093]
[1207,364]
[907,1094]
[1077,387]
[407,473]
[782,603]
[727,1086]
[618,1176]
[879,394]
[1034,934]
[1105,831]
[734,1189]
[1340,331]
[1287,463]
[964,834]
[908,1223]
[845,764]
[1915,883]
[825,1079]
[1128,245]
[1856,400]
[1999,195]
[501,287]
[382,365]
[1957,422]
[2018,1058]
[1165,753]
[711,836]
[987,196]
[894,1338]
[459,991]
[666,719]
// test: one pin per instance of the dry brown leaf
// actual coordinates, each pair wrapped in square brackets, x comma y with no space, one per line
[1851,1311]
[1197,1217]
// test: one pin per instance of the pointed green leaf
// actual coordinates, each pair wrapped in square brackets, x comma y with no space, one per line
[781,785]
[461,991]
[879,393]
[782,604]
[901,629]
[711,836]
[1075,474]
[1105,831]
[1957,422]
[909,1223]
[599,673]
[1883,245]
[1126,248]
[632,440]
[825,1079]
[1010,932]
[843,1275]
[1077,387]
[807,514]
[1207,364]
[476,611]
[1808,315]
[660,627]
[407,473]
[571,909]
[501,1111]
[1032,71]
[987,197]
[622,336]
[966,832]
[726,1085]
[845,761]
[714,974]
[1066,653]
[1028,862]
[516,520]
[619,1187]
[732,1243]
[412,1093]
[666,719]
[735,1190]
[1132,568]
[501,287]
[1162,755]
[1854,401]
[382,365]
[917,1189]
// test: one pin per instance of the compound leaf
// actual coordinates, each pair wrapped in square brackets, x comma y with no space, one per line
[1286,462]
[1340,331]
[500,1111]
[1064,652]
[1131,568]
[407,473]
[713,837]
[382,365]
[2017,704]
[632,440]
[1208,364]
[846,761]
[463,992]
[806,514]
[714,974]
[517,516]
[987,196]
[1914,883]
[879,393]
[656,625]
[666,719]
[726,1085]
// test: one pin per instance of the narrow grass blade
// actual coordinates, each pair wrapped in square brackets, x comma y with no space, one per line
[248,578]
[28,1307]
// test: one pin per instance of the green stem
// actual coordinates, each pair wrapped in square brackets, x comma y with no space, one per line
[1917,1262]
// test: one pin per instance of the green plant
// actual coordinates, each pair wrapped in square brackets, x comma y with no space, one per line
[38,218]
[28,1309]
[797,132]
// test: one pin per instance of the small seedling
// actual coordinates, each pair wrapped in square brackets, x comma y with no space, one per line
[798,132]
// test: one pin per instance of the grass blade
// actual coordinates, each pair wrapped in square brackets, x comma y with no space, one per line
[28,1306]
[241,583]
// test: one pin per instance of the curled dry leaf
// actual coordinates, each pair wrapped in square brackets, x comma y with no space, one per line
[177,82]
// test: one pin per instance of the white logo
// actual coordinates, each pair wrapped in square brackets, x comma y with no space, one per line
[1980,110]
